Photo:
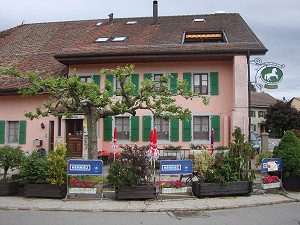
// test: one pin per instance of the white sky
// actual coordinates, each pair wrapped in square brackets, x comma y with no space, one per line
[275,22]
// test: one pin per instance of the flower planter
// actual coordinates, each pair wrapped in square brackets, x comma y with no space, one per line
[270,185]
[174,190]
[45,191]
[214,189]
[140,192]
[8,188]
[82,190]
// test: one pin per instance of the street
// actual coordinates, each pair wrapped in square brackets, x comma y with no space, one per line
[281,214]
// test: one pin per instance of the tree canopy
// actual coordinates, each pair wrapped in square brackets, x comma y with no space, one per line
[283,116]
[70,94]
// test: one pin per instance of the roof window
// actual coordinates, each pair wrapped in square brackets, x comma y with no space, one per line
[119,39]
[102,39]
[199,36]
[199,20]
[99,23]
[132,22]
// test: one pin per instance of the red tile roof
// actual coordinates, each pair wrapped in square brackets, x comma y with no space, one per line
[42,47]
[261,99]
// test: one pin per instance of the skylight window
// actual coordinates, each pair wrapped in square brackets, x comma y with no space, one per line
[119,39]
[102,39]
[199,20]
[131,22]
[198,36]
[99,23]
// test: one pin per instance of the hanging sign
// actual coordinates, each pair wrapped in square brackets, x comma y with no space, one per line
[176,167]
[85,167]
[271,164]
[269,73]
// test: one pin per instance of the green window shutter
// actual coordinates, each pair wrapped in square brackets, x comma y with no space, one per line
[148,76]
[2,131]
[173,83]
[107,128]
[187,130]
[134,128]
[96,79]
[135,81]
[110,78]
[215,124]
[22,132]
[174,130]
[147,120]
[214,83]
[188,78]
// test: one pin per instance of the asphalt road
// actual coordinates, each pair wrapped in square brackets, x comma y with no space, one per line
[281,214]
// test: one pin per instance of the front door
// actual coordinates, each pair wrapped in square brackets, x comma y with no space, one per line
[74,128]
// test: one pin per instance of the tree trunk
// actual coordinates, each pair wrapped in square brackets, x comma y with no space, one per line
[92,119]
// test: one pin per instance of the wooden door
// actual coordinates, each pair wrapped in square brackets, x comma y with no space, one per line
[74,129]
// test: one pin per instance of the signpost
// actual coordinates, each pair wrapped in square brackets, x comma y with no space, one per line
[176,167]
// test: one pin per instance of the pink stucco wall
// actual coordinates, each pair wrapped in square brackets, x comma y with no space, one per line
[231,103]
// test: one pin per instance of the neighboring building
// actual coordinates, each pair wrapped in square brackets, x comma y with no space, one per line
[260,101]
[208,51]
[295,102]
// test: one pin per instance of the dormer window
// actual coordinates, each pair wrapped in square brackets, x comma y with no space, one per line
[199,36]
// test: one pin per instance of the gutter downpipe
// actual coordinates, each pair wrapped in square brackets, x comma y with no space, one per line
[249,98]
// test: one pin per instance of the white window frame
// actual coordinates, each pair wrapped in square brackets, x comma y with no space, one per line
[202,141]
[123,141]
[7,132]
[208,81]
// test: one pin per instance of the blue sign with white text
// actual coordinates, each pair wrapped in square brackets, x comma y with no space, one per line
[176,167]
[271,164]
[85,167]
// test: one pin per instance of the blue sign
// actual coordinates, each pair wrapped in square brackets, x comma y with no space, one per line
[271,164]
[176,167]
[85,167]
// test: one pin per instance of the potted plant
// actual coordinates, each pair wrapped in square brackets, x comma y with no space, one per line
[288,150]
[80,186]
[224,174]
[45,176]
[130,175]
[171,187]
[10,159]
[269,182]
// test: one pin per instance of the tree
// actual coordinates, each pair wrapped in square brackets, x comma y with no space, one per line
[283,116]
[74,95]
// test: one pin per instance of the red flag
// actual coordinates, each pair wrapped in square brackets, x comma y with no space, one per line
[212,141]
[115,139]
[154,140]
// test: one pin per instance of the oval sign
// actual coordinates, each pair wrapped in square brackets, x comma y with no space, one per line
[271,75]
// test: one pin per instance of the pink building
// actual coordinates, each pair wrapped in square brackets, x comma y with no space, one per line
[209,51]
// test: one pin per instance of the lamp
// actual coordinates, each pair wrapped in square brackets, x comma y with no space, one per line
[42,125]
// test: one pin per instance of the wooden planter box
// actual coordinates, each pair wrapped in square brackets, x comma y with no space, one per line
[291,183]
[140,192]
[44,191]
[214,189]
[8,188]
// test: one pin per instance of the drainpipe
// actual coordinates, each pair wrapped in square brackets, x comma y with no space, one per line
[155,13]
[249,98]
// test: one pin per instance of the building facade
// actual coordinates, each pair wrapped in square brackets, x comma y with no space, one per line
[210,52]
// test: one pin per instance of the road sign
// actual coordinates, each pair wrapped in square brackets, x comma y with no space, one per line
[176,167]
[85,167]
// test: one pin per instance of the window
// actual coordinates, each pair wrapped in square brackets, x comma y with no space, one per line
[119,39]
[157,81]
[162,128]
[200,83]
[13,132]
[261,114]
[102,39]
[117,87]
[253,114]
[201,127]
[132,22]
[86,79]
[199,36]
[253,127]
[122,127]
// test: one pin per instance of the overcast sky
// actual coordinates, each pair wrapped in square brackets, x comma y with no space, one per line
[275,22]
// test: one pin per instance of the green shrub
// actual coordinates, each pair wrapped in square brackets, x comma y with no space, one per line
[289,150]
[203,164]
[10,158]
[34,169]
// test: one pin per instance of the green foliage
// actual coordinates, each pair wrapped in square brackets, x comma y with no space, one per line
[263,155]
[171,147]
[57,166]
[10,158]
[283,116]
[34,169]
[198,146]
[289,150]
[132,169]
[203,164]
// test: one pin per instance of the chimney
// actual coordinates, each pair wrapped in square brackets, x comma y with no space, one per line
[155,13]
[111,18]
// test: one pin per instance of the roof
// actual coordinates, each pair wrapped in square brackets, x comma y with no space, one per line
[261,99]
[48,47]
